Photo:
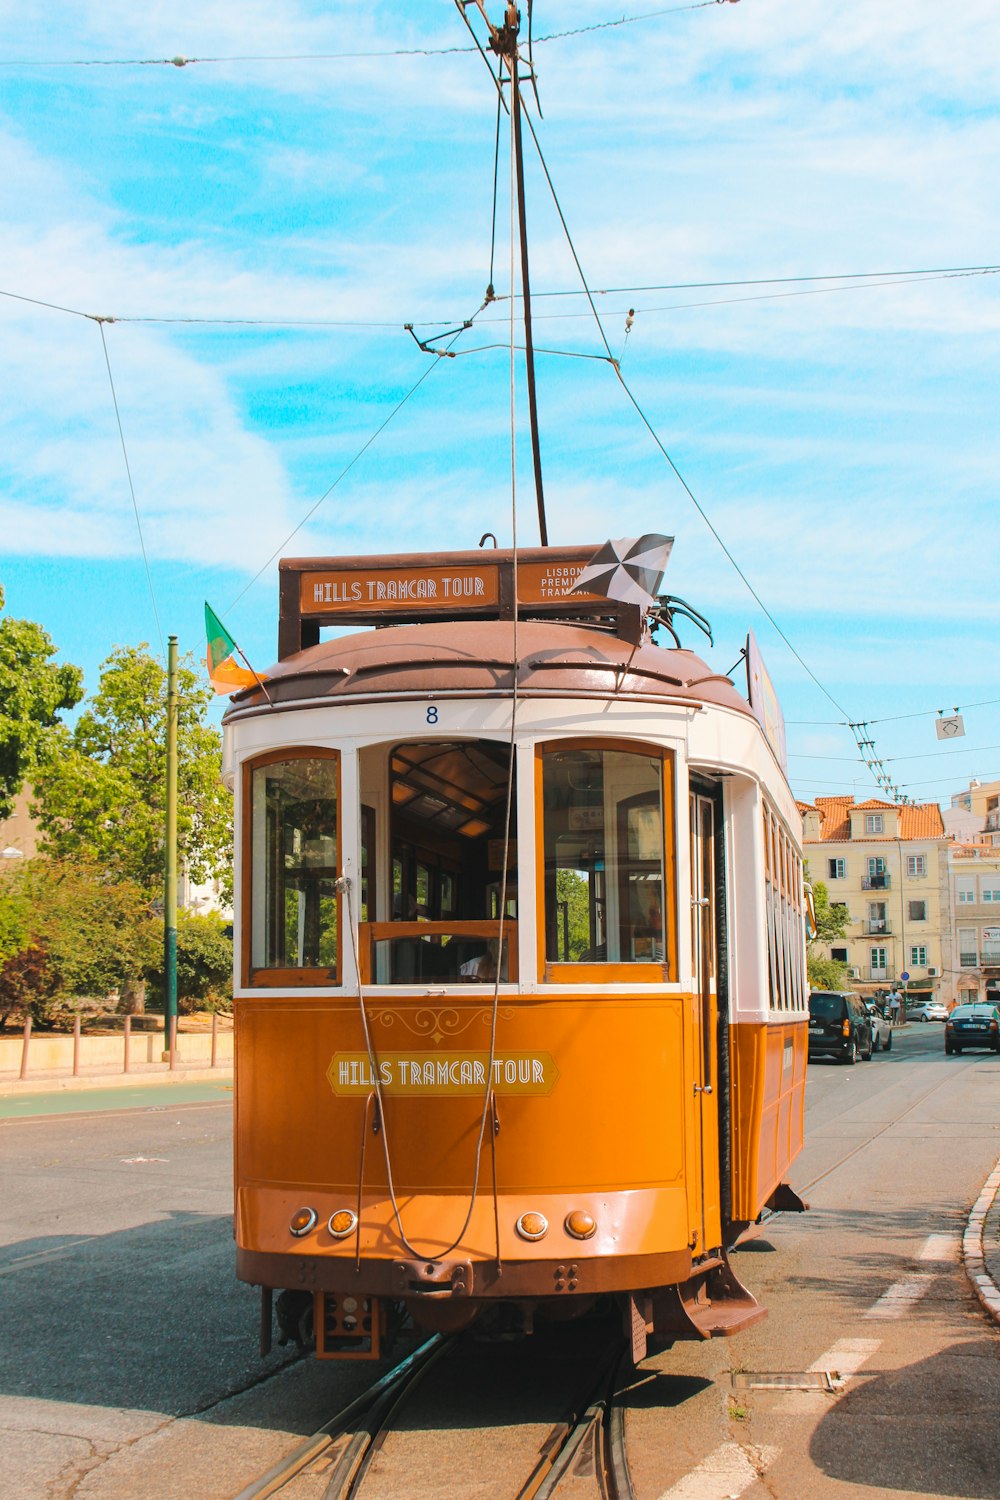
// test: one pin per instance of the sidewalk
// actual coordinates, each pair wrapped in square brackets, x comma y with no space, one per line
[108,1058]
[52,1080]
[981,1245]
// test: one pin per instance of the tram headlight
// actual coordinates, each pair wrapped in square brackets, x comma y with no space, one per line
[532,1225]
[302,1221]
[580,1224]
[342,1223]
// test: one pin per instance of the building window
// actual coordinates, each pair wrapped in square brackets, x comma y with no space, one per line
[991,945]
[878,957]
[918,911]
[838,869]
[991,893]
[916,865]
[874,823]
[965,889]
[839,955]
[918,957]
[968,955]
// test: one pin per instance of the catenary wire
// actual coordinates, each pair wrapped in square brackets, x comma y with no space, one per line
[343,473]
[656,439]
[183,62]
[864,278]
[131,486]
[924,713]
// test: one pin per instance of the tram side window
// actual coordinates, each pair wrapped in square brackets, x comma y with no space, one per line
[605,893]
[784,916]
[294,918]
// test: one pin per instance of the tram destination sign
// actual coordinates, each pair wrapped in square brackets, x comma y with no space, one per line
[434,586]
[391,589]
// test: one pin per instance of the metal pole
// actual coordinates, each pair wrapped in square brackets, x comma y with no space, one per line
[215,1038]
[170,869]
[24,1049]
[76,1046]
[128,1037]
[529,348]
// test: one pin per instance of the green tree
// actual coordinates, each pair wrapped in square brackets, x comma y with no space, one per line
[100,797]
[573,899]
[79,933]
[33,692]
[831,923]
[204,961]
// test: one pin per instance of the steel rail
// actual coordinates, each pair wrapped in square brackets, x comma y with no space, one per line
[384,1393]
[600,1422]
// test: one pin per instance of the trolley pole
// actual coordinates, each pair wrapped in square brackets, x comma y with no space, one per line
[170,871]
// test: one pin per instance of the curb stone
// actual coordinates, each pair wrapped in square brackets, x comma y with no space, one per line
[981,1245]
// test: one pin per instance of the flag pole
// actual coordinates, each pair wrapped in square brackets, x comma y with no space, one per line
[259,679]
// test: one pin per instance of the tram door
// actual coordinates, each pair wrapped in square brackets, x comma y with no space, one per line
[704,1067]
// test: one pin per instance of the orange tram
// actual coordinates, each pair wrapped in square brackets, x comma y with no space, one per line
[521,1015]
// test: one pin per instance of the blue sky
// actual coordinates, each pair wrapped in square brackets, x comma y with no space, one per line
[842,440]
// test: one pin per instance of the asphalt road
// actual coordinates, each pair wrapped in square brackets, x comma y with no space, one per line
[128,1352]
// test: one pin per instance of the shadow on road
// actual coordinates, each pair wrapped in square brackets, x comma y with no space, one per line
[929,1429]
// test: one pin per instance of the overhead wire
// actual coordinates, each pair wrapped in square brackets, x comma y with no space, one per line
[344,472]
[180,61]
[656,439]
[135,503]
[865,281]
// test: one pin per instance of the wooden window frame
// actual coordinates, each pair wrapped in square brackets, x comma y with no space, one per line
[273,978]
[595,973]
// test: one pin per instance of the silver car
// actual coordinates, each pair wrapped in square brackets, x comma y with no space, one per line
[927,1010]
[881,1029]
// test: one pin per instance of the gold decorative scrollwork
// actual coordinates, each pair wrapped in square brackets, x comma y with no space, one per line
[440,1025]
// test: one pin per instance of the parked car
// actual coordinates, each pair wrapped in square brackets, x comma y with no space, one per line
[972,1026]
[881,1029]
[927,1010]
[839,1026]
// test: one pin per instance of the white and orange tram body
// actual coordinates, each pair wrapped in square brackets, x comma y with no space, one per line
[521,1018]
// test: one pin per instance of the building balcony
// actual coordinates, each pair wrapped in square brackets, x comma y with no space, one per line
[876,882]
[887,972]
[877,928]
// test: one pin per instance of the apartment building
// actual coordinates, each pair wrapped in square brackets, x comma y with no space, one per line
[888,865]
[974,889]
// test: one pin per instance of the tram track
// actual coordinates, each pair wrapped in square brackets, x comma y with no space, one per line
[583,1456]
[889,1125]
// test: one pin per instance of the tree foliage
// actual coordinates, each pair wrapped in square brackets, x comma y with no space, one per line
[33,693]
[101,797]
[825,973]
[78,933]
[573,906]
[204,961]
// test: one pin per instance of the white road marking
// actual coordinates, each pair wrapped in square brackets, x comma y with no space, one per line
[901,1296]
[843,1360]
[940,1247]
[846,1357]
[723,1475]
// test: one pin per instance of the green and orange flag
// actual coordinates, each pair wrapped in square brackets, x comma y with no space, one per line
[224,674]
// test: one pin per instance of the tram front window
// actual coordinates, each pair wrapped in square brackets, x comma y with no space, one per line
[604,856]
[293,860]
[449,808]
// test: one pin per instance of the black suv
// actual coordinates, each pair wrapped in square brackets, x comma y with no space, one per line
[839,1026]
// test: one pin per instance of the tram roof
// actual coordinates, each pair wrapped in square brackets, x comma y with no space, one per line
[477,656]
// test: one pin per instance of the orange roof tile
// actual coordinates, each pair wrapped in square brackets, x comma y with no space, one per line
[915,822]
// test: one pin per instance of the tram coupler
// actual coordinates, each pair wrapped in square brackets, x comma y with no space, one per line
[426,1278]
